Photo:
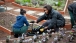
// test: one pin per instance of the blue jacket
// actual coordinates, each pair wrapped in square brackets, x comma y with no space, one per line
[20,21]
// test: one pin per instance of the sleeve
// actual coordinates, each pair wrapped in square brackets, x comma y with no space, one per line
[26,22]
[41,18]
[53,21]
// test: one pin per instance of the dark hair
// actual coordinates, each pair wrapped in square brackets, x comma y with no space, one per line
[48,7]
[22,11]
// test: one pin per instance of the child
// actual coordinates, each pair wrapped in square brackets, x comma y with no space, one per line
[18,27]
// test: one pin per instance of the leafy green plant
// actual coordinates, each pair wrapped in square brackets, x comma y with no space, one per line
[29,4]
[27,1]
[18,1]
[41,2]
[37,5]
[22,2]
[58,3]
[49,2]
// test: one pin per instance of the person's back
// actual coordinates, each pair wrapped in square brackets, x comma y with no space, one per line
[60,19]
[19,27]
[21,20]
[72,7]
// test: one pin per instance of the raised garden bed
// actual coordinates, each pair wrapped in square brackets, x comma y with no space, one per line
[5,1]
[9,1]
[40,9]
[1,2]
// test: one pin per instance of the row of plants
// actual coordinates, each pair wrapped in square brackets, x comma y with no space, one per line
[56,4]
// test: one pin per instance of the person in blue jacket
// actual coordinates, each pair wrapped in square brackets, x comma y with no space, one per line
[19,27]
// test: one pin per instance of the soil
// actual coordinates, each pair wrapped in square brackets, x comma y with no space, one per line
[3,35]
[6,20]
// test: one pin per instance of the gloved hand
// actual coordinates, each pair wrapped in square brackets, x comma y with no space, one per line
[32,22]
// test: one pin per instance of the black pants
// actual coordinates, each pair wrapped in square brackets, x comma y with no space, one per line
[55,27]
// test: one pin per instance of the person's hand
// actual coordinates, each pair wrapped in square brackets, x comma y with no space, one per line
[42,30]
[45,28]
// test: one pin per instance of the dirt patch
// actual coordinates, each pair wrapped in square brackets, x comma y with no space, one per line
[6,20]
[3,35]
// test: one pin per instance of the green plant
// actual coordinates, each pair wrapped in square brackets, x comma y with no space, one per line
[18,1]
[22,2]
[58,3]
[37,5]
[41,2]
[27,1]
[29,4]
[49,2]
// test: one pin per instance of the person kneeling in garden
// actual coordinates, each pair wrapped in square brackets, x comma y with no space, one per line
[19,28]
[53,18]
[72,13]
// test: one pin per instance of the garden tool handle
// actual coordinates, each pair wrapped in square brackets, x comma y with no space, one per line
[32,22]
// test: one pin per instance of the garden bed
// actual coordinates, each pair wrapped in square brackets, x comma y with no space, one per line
[9,1]
[3,35]
[6,20]
[1,2]
[39,9]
